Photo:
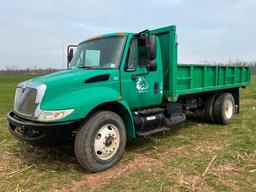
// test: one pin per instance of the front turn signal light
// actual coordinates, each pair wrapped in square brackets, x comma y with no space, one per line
[47,116]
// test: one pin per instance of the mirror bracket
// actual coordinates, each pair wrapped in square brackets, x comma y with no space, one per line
[70,51]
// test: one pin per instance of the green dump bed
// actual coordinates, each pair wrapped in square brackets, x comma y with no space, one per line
[182,79]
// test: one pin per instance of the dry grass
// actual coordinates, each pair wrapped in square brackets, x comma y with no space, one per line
[178,160]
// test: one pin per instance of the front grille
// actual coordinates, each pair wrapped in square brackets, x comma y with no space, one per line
[25,98]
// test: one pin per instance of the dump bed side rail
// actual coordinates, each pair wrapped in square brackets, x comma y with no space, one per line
[201,78]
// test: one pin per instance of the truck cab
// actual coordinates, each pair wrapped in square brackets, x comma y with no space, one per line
[127,57]
[119,86]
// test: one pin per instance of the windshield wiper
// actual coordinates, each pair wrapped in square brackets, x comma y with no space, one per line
[92,67]
[84,67]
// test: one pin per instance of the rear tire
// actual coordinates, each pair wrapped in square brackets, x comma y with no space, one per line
[224,109]
[100,141]
[208,108]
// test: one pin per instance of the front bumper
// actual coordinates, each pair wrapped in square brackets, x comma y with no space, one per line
[40,133]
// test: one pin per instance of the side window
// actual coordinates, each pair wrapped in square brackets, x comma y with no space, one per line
[80,60]
[142,52]
[132,59]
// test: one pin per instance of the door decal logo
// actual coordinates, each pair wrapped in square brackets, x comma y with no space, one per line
[142,85]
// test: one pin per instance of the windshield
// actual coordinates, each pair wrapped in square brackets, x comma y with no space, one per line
[104,53]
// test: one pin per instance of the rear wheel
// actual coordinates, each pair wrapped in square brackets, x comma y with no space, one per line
[100,142]
[208,108]
[224,109]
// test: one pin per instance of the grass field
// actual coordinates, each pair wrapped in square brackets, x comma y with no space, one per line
[173,161]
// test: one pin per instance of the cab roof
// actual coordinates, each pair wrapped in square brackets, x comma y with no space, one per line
[121,34]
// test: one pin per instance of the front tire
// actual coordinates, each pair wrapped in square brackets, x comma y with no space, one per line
[100,141]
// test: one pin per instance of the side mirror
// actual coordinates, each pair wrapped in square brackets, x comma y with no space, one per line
[70,55]
[152,47]
[152,66]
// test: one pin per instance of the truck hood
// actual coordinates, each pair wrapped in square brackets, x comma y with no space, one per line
[64,81]
[69,75]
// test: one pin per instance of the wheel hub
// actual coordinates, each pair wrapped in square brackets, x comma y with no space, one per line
[228,109]
[109,141]
[106,141]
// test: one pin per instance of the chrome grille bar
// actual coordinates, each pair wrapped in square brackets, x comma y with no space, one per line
[28,97]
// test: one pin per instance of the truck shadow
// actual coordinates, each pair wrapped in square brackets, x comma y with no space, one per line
[62,158]
[145,144]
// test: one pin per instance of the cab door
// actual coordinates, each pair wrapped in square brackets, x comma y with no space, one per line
[140,88]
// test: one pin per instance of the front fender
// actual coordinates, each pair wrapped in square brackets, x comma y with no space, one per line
[122,109]
[128,120]
[83,101]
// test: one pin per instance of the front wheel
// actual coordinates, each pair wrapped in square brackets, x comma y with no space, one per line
[100,141]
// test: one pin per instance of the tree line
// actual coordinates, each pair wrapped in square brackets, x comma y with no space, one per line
[36,71]
[28,71]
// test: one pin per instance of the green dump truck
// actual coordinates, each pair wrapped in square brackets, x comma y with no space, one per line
[120,86]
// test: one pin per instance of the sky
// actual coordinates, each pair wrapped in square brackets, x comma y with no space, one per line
[35,33]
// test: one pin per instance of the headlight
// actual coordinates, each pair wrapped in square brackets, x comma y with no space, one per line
[54,115]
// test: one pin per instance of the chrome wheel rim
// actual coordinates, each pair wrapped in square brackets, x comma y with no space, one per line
[106,142]
[228,109]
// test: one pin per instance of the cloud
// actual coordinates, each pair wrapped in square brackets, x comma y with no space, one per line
[168,3]
[93,29]
[36,32]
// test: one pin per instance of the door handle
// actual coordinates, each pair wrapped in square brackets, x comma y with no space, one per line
[134,76]
[156,87]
